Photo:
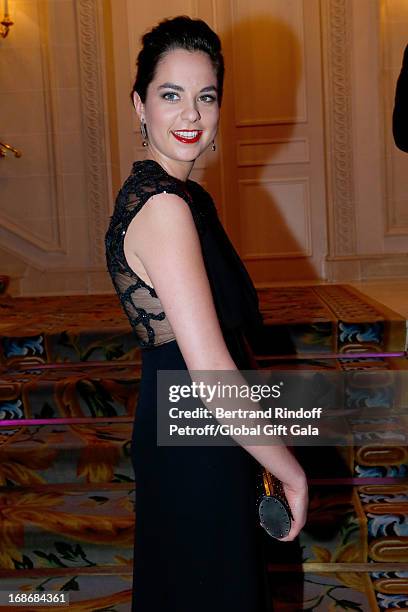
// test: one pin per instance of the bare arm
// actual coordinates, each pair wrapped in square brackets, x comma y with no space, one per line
[163,235]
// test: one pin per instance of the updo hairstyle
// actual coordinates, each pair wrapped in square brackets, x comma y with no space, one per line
[177,33]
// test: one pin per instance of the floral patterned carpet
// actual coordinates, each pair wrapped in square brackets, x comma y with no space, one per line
[69,378]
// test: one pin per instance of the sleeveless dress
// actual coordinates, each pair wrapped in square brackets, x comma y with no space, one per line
[198,544]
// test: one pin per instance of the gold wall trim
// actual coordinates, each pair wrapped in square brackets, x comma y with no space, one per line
[93,115]
[337,44]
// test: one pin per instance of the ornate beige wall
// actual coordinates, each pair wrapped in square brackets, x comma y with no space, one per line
[306,176]
[55,198]
[362,54]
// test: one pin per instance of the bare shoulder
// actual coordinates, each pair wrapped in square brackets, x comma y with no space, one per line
[161,209]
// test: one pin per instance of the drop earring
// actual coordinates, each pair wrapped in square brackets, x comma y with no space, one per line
[213,146]
[143,132]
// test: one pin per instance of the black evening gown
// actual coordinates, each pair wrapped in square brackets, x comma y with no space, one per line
[198,544]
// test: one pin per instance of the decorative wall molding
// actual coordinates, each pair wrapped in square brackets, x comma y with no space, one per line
[90,59]
[336,28]
[397,229]
[272,151]
[370,256]
[367,266]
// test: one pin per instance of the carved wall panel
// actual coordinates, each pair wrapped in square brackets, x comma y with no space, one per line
[273,151]
[93,110]
[337,46]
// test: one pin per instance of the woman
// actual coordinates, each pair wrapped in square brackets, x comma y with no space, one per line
[190,300]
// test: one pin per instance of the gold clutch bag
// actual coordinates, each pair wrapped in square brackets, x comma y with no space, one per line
[274,512]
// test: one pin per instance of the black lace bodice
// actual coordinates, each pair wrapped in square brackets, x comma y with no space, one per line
[234,295]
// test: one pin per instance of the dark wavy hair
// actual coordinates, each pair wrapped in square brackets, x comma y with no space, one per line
[177,33]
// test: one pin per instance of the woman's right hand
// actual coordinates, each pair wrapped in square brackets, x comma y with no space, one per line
[296,492]
[281,462]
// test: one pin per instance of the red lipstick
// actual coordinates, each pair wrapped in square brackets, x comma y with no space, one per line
[184,136]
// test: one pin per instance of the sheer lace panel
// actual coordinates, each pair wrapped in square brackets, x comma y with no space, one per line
[144,310]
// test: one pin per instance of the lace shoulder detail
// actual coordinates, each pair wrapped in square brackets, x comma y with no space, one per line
[139,300]
[147,179]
